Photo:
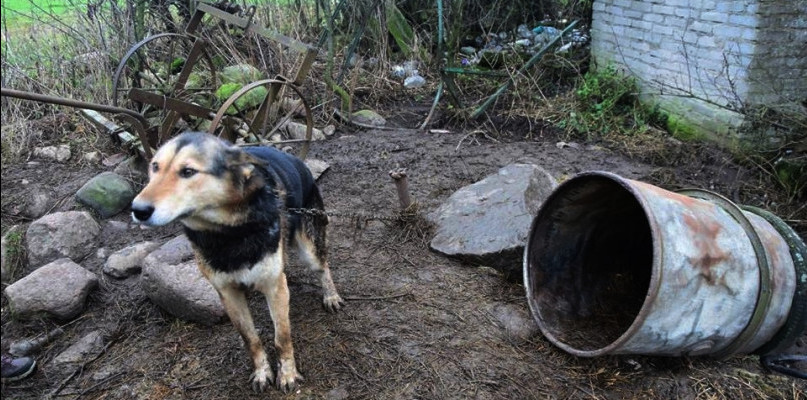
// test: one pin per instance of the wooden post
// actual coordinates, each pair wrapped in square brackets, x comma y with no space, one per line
[398,176]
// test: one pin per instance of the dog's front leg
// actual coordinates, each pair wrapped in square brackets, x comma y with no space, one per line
[235,303]
[276,291]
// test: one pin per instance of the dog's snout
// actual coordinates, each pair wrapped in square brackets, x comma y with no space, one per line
[142,212]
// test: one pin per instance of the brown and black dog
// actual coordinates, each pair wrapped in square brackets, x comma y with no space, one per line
[232,202]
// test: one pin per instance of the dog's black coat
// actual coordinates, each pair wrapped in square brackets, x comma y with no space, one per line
[231,248]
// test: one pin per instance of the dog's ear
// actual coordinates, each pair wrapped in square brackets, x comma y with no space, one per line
[242,165]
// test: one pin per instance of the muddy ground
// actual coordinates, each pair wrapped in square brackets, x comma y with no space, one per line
[416,324]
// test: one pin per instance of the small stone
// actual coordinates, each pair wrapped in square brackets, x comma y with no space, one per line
[370,63]
[369,117]
[563,145]
[354,60]
[329,130]
[38,202]
[317,167]
[414,82]
[468,50]
[105,372]
[89,346]
[128,261]
[117,226]
[516,321]
[60,153]
[296,130]
[92,157]
[114,159]
[102,253]
[339,393]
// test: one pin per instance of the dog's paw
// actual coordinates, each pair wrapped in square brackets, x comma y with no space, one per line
[332,302]
[287,377]
[260,379]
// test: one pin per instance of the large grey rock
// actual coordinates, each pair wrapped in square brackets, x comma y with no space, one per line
[59,289]
[488,222]
[107,193]
[70,234]
[83,350]
[174,283]
[128,261]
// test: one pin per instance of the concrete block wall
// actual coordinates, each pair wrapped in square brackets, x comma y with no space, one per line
[700,59]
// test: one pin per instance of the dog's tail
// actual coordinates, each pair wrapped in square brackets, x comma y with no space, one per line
[315,223]
[314,202]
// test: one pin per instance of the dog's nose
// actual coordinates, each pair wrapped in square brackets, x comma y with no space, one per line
[142,212]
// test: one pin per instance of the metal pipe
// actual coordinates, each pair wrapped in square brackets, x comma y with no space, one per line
[72,103]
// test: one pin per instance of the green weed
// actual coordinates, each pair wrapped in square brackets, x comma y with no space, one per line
[14,251]
[608,103]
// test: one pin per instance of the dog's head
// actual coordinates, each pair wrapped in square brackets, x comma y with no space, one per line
[199,180]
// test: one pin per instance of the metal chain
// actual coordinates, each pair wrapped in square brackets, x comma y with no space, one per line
[358,218]
[313,212]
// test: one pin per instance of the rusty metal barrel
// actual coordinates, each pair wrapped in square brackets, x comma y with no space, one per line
[617,266]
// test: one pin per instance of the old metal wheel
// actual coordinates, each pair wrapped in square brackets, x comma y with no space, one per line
[162,72]
[266,111]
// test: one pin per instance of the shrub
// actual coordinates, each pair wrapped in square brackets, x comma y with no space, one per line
[608,103]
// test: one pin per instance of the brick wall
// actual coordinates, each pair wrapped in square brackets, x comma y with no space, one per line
[701,58]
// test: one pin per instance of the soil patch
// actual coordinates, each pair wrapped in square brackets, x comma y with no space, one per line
[416,324]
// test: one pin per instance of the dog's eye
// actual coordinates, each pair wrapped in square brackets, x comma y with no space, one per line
[155,167]
[187,172]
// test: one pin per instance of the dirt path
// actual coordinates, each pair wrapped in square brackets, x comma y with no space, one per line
[417,325]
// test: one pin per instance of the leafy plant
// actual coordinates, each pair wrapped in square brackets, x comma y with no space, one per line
[608,103]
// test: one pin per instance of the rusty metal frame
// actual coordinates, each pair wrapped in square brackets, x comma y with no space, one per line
[274,88]
[176,107]
[135,119]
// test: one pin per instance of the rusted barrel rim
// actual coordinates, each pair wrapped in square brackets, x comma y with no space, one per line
[655,272]
[796,323]
[765,291]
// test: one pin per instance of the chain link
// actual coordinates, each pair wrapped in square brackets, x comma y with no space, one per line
[358,217]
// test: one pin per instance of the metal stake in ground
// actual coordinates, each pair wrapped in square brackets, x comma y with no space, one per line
[398,176]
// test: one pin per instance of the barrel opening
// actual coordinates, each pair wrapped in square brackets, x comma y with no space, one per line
[588,263]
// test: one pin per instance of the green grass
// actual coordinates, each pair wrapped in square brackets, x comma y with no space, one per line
[20,15]
[17,7]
